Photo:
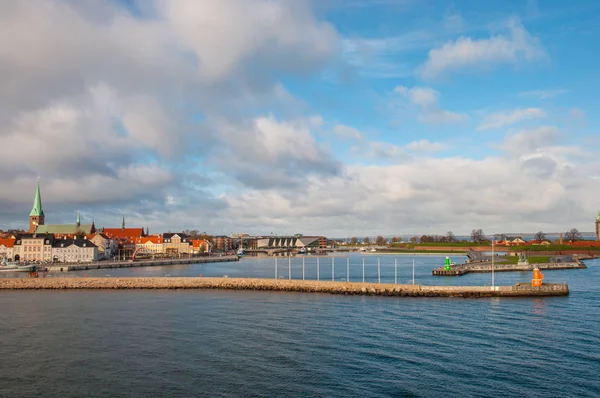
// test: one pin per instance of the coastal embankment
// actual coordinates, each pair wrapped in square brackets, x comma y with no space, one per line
[282,285]
[142,263]
[462,269]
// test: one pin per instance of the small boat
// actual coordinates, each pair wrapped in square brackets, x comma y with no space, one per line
[240,253]
[373,250]
[302,250]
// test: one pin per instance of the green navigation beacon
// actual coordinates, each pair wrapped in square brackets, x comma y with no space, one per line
[447,265]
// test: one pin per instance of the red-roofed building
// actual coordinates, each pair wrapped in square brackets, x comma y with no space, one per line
[200,246]
[6,248]
[124,233]
[150,244]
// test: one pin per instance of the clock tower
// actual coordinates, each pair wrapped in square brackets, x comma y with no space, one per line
[36,217]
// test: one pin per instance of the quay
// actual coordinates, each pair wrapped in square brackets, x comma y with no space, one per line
[142,263]
[279,285]
[462,269]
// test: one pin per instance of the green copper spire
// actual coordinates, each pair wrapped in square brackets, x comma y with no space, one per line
[37,203]
[123,223]
[78,218]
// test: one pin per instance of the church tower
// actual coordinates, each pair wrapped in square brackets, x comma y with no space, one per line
[36,217]
[598,226]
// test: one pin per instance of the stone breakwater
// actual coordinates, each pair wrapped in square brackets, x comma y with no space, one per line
[348,288]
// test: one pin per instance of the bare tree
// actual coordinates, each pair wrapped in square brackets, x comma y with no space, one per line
[380,241]
[478,236]
[450,237]
[367,240]
[414,239]
[79,234]
[396,239]
[539,236]
[354,240]
[573,235]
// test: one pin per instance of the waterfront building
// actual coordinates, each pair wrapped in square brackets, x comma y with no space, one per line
[296,241]
[33,247]
[150,244]
[176,243]
[74,251]
[200,246]
[6,248]
[107,247]
[223,243]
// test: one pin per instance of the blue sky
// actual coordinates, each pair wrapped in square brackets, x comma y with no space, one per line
[331,117]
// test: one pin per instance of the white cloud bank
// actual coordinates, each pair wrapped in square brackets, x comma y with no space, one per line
[507,118]
[467,53]
[427,100]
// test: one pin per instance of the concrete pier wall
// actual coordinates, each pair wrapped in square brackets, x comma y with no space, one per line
[62,267]
[352,288]
[461,269]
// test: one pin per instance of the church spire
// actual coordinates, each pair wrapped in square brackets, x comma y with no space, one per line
[123,223]
[37,210]
[78,218]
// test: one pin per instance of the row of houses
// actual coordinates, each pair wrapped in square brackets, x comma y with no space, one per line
[123,243]
[47,248]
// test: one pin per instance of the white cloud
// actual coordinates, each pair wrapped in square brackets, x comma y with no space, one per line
[542,94]
[577,113]
[347,132]
[507,118]
[426,146]
[468,53]
[126,111]
[426,99]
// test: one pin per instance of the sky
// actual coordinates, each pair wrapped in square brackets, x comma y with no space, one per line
[334,117]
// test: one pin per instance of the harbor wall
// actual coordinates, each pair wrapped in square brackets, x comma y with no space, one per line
[462,269]
[60,267]
[348,288]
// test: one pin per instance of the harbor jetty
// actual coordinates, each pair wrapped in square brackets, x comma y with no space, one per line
[462,269]
[142,263]
[281,285]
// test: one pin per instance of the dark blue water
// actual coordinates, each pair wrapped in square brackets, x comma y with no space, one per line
[221,343]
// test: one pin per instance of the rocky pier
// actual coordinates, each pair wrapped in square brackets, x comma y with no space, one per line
[274,285]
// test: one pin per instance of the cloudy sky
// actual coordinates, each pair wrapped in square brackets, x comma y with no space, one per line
[336,117]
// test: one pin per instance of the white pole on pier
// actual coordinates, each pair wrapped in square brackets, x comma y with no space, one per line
[318,278]
[332,269]
[290,267]
[378,271]
[347,269]
[395,271]
[302,268]
[413,271]
[363,270]
[275,267]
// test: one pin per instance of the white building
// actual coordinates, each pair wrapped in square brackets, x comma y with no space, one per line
[33,247]
[74,251]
